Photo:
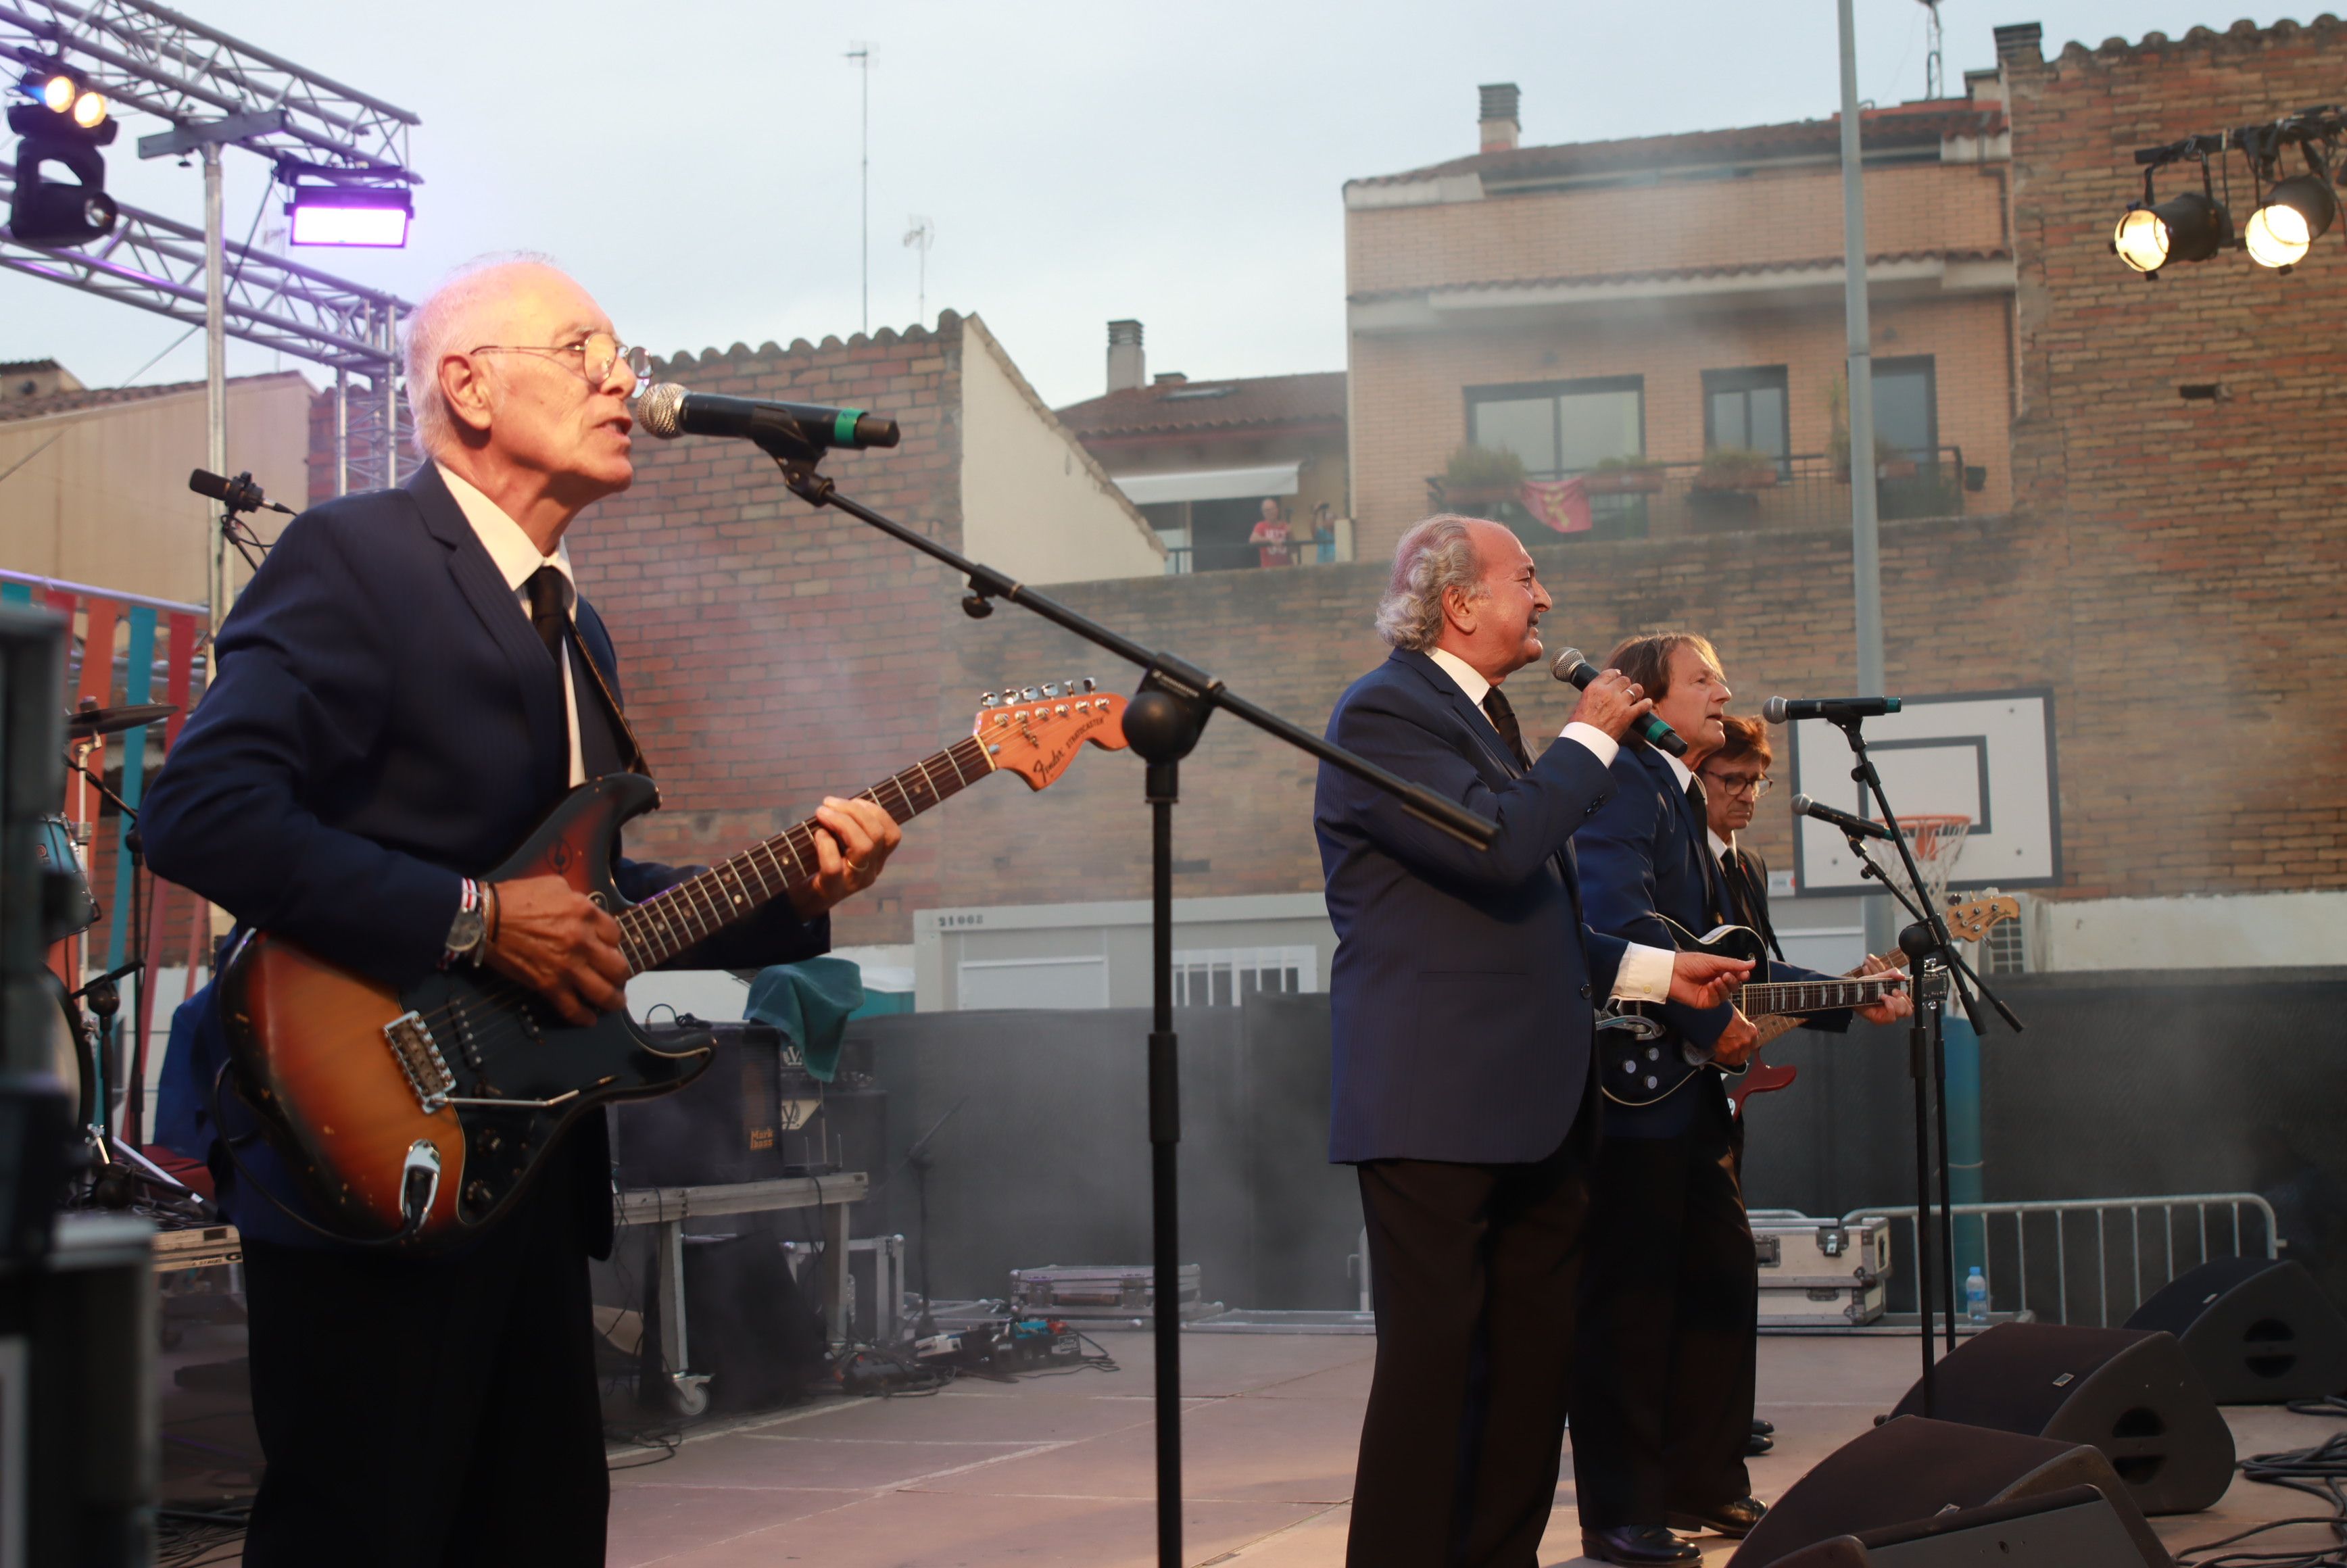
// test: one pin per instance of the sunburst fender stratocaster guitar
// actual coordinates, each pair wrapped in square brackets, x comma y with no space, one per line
[416,1117]
[1967,922]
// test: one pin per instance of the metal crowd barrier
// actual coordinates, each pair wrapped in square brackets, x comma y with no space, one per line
[2052,1256]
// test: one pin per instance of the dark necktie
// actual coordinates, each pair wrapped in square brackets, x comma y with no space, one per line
[546,612]
[1722,908]
[1503,719]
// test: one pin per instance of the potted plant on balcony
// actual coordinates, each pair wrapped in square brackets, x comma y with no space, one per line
[1480,479]
[1735,469]
[1624,477]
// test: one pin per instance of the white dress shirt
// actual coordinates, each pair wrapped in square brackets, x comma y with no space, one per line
[1644,975]
[516,558]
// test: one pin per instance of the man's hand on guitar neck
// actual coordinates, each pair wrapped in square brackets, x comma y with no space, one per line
[1890,1009]
[1736,1042]
[853,844]
[552,938]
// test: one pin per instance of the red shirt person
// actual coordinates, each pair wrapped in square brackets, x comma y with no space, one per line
[1271,535]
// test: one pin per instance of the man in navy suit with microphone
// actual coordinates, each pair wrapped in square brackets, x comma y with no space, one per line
[1463,998]
[409,684]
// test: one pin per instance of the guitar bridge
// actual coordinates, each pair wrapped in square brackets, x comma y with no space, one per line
[418,1057]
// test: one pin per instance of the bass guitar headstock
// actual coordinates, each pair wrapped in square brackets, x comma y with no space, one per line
[1035,731]
[1970,921]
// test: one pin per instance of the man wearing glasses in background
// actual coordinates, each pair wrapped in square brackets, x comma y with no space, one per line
[409,684]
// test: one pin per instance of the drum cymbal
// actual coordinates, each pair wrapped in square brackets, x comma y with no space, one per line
[92,722]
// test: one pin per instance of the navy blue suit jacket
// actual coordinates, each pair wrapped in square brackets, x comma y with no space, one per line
[381,721]
[1462,984]
[1644,856]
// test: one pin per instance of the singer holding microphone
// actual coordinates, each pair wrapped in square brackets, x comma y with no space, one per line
[411,681]
[1462,1086]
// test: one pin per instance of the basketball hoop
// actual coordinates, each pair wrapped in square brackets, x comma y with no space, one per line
[1937,843]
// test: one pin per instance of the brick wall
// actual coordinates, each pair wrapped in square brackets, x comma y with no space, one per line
[2205,543]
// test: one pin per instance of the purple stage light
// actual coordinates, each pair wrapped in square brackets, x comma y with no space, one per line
[347,215]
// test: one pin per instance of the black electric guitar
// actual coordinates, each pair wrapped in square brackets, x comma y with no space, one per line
[1636,1067]
[1635,1070]
[418,1116]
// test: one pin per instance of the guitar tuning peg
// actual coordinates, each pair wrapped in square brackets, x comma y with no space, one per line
[1090,685]
[1051,688]
[987,698]
[1030,695]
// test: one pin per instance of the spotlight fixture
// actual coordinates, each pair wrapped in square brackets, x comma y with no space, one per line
[2191,227]
[351,215]
[63,126]
[2296,213]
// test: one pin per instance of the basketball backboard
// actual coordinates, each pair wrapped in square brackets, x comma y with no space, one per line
[1987,755]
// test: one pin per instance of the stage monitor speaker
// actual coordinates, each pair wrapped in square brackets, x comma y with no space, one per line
[2133,1395]
[1933,1494]
[2259,1331]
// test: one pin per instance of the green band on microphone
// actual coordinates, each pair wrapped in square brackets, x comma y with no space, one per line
[843,427]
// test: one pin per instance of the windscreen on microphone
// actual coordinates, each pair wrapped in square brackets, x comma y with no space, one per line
[800,430]
[1574,668]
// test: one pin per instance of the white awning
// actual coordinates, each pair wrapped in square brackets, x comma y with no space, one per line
[1210,484]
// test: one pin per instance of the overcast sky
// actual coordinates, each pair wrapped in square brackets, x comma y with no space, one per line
[695,162]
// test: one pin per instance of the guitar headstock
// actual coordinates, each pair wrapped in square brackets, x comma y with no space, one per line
[1969,922]
[1035,731]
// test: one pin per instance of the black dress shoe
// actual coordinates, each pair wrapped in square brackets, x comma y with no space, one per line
[1735,1519]
[1759,1443]
[1639,1546]
[1761,1428]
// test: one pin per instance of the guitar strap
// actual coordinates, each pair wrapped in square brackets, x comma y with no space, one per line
[619,740]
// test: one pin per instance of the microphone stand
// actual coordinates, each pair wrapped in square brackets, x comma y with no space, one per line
[1161,722]
[1935,964]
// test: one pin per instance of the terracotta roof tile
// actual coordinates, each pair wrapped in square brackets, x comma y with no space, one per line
[104,396]
[1916,125]
[1317,398]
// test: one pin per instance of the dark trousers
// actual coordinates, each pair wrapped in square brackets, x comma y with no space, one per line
[430,1412]
[1472,1272]
[1669,1306]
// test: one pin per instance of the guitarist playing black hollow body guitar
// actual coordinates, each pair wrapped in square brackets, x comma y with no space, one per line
[1662,1402]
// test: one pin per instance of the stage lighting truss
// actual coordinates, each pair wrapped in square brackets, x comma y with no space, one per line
[2287,212]
[62,124]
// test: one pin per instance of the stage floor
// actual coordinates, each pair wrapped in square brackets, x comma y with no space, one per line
[1058,1469]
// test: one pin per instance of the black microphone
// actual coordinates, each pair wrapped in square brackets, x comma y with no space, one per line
[1777,710]
[800,430]
[1570,666]
[1856,826]
[240,494]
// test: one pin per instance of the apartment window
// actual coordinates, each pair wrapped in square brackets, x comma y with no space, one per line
[1906,406]
[1221,977]
[1560,427]
[1746,409]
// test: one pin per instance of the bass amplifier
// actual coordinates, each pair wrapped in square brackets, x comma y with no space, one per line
[1819,1273]
[755,1114]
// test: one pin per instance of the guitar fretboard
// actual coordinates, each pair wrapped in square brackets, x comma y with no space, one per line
[1815,996]
[656,930]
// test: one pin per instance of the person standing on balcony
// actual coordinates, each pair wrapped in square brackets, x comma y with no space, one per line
[1324,536]
[1270,534]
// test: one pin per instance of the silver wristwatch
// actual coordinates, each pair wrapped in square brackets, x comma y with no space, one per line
[468,932]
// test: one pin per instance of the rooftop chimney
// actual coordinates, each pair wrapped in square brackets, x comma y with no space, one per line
[1125,367]
[2019,43]
[1500,128]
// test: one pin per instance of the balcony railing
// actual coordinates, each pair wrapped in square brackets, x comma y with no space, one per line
[1677,500]
[1181,560]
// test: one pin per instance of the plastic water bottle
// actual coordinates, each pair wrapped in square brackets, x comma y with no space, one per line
[1976,1297]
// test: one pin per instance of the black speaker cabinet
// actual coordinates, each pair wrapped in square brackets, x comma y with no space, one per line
[2258,1330]
[2133,1395]
[1933,1494]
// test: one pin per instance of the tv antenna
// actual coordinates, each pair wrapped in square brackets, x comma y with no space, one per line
[1934,67]
[862,56]
[921,236]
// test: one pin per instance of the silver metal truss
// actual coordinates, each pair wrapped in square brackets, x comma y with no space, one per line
[151,58]
[157,263]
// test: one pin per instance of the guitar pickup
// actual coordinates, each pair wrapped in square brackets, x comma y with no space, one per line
[419,1057]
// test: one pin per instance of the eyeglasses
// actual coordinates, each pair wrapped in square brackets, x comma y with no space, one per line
[597,352]
[1729,785]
